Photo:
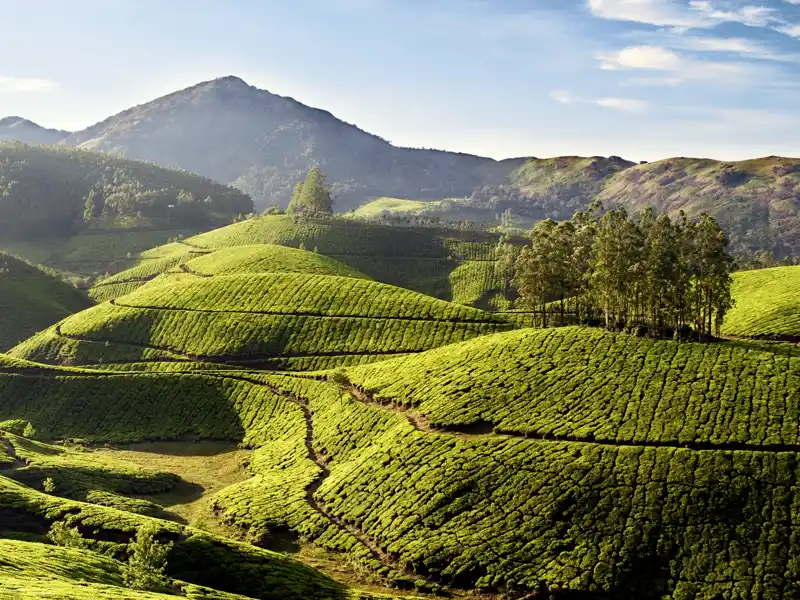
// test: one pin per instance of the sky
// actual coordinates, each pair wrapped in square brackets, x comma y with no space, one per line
[641,79]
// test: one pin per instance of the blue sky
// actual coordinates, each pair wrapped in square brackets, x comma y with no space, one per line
[643,79]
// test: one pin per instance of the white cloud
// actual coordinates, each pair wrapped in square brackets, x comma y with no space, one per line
[26,84]
[792,30]
[676,67]
[652,12]
[624,104]
[640,57]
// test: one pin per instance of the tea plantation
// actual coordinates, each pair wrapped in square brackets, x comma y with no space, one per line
[278,320]
[447,264]
[767,304]
[393,438]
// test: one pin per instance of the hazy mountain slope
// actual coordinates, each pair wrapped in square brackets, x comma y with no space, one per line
[21,130]
[45,190]
[230,131]
[31,300]
[756,201]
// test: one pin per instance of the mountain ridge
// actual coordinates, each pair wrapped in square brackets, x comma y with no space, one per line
[263,144]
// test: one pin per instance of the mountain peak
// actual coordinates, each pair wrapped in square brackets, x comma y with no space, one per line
[14,121]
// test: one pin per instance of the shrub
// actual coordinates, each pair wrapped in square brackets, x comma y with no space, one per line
[49,486]
[62,534]
[147,562]
[29,432]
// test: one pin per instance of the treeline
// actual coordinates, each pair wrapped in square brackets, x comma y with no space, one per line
[649,274]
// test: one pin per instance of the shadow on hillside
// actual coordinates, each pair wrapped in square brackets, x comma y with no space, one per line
[185,448]
[777,348]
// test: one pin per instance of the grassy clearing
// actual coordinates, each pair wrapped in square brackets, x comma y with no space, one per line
[205,467]
[378,206]
[767,304]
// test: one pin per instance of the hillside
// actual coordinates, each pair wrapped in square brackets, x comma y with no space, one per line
[292,321]
[448,264]
[32,300]
[493,464]
[81,211]
[767,304]
[755,201]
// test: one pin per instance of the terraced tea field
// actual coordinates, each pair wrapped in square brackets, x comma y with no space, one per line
[767,304]
[446,264]
[278,320]
[244,394]
[529,460]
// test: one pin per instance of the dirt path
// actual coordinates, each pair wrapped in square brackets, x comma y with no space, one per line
[484,429]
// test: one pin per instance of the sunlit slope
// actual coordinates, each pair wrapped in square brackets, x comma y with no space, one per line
[619,468]
[31,300]
[427,260]
[178,259]
[582,383]
[200,565]
[278,320]
[767,304]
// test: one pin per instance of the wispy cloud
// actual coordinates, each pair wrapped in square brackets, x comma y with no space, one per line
[624,104]
[697,14]
[565,97]
[791,30]
[652,12]
[26,84]
[754,16]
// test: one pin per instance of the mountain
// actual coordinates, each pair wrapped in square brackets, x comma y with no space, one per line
[264,143]
[756,201]
[21,130]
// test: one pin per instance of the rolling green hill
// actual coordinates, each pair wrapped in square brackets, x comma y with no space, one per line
[602,465]
[767,304]
[276,320]
[174,260]
[31,300]
[82,211]
[447,264]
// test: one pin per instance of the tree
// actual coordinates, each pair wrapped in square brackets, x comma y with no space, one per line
[147,562]
[313,196]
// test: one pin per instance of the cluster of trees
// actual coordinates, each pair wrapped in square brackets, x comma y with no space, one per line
[651,273]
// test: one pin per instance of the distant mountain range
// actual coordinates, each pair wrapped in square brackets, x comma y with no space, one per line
[263,144]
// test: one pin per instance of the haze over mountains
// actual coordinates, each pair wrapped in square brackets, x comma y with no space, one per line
[263,144]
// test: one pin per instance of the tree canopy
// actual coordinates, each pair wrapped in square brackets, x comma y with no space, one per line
[652,273]
[313,196]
